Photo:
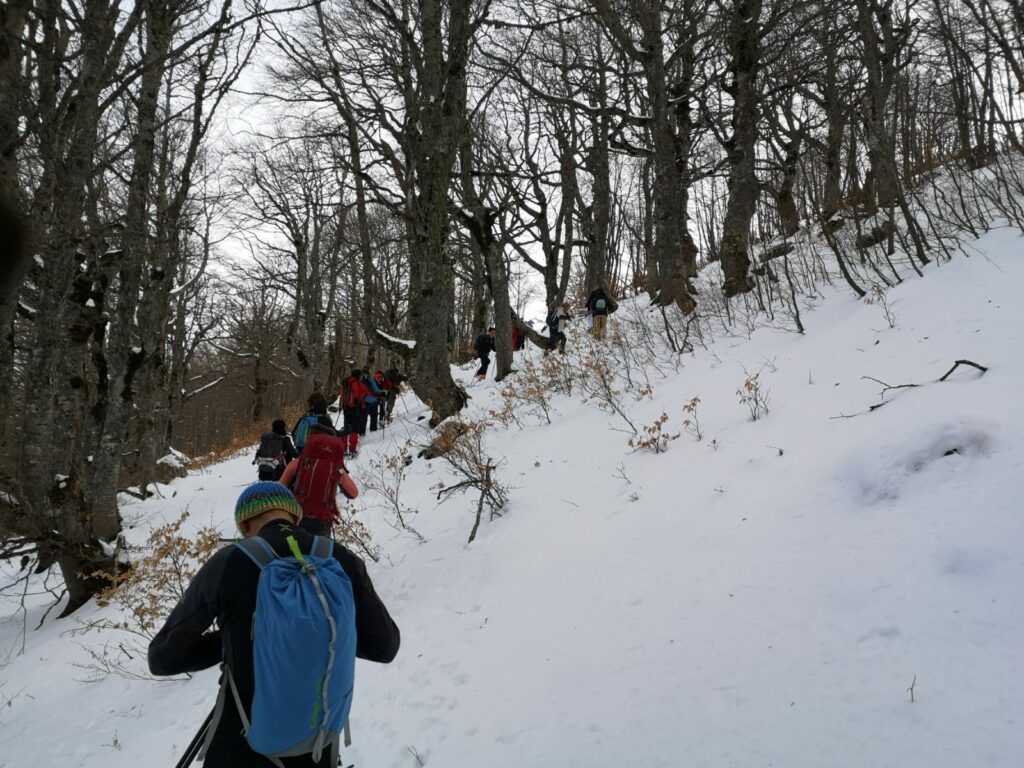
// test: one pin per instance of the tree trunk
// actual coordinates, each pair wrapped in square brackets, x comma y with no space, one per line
[53,485]
[744,50]
[442,114]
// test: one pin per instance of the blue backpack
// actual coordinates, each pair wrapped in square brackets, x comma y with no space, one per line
[301,433]
[304,651]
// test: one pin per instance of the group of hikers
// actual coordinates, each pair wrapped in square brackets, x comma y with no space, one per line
[286,610]
[365,400]
[598,306]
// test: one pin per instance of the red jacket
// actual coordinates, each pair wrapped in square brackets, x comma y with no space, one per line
[353,393]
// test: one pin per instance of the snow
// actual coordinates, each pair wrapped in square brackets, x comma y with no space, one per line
[8,498]
[767,595]
[114,548]
[404,342]
[203,388]
[90,303]
[39,261]
[174,459]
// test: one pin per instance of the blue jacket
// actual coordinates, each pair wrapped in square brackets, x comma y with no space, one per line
[375,393]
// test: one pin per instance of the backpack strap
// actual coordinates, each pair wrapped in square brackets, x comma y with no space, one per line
[241,713]
[257,550]
[322,547]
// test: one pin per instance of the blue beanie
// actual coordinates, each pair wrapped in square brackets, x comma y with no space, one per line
[263,497]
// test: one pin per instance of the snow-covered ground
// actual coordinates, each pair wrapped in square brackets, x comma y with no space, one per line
[765,596]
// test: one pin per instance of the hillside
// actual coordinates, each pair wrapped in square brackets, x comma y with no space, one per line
[833,584]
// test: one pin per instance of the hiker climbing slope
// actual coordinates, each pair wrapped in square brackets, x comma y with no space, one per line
[483,347]
[315,478]
[600,305]
[557,320]
[352,397]
[276,659]
[276,449]
[374,398]
[317,414]
[393,379]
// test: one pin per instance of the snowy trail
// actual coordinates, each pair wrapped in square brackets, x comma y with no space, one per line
[723,606]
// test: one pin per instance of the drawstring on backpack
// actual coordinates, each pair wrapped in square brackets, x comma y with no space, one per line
[310,570]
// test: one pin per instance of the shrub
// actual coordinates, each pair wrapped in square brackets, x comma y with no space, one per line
[475,471]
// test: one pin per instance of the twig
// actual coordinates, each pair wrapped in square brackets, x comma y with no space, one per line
[889,386]
[958,363]
[910,690]
[621,473]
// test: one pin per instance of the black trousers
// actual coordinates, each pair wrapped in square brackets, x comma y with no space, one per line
[355,421]
[316,527]
[485,360]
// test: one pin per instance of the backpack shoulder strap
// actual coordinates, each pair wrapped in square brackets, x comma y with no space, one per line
[322,547]
[257,550]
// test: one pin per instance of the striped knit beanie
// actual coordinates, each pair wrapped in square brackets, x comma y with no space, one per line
[263,497]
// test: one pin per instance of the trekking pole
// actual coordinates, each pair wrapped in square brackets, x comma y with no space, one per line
[192,750]
[337,414]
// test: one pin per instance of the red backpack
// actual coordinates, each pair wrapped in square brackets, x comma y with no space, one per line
[353,393]
[320,465]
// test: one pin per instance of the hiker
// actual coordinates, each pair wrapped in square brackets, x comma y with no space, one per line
[317,414]
[483,347]
[394,380]
[600,305]
[316,476]
[385,388]
[353,405]
[518,335]
[374,397]
[275,451]
[558,317]
[230,613]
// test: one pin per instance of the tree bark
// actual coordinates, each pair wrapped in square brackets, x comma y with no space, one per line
[744,51]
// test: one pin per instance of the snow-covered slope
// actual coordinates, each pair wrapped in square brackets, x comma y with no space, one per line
[763,596]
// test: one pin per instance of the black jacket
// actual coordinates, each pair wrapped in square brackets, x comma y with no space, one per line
[288,449]
[609,305]
[224,591]
[484,345]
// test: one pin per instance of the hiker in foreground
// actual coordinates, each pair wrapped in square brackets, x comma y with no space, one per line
[483,347]
[270,596]
[316,476]
[275,451]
